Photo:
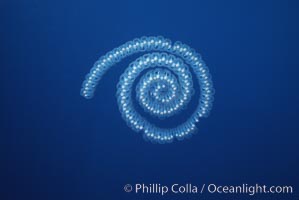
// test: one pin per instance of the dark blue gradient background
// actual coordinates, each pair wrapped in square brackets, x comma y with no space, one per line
[57,145]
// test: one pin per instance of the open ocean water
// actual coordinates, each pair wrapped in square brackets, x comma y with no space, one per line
[54,144]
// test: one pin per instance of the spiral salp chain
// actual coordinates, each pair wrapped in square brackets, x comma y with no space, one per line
[163,91]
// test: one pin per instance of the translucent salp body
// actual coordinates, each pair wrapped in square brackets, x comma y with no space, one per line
[163,91]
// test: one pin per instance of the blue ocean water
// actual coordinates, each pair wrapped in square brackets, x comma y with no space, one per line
[57,145]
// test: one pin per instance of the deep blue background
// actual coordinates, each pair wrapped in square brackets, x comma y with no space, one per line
[57,145]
